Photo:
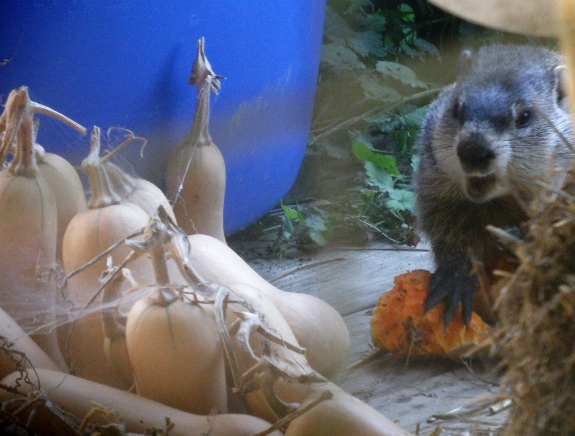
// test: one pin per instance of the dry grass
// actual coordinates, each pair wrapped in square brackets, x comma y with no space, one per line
[536,309]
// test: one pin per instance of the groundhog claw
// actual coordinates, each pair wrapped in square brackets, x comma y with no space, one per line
[452,285]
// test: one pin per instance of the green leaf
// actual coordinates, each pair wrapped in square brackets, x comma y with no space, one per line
[378,177]
[336,28]
[365,153]
[374,90]
[340,57]
[367,43]
[399,72]
[287,228]
[400,199]
[416,116]
[376,22]
[407,14]
[386,124]
[427,47]
[293,215]
[358,6]
[317,227]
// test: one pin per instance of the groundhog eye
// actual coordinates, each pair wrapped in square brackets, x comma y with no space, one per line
[524,118]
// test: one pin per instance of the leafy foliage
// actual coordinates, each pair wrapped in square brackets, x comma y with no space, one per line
[399,72]
[357,39]
[363,76]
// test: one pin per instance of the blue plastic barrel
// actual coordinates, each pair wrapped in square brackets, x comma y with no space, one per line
[126,63]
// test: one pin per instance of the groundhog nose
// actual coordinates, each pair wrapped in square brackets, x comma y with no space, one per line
[475,154]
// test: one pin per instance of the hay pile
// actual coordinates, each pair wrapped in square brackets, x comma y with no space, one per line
[536,309]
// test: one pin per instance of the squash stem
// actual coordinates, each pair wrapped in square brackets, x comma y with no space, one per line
[156,236]
[206,81]
[24,162]
[220,305]
[160,267]
[19,131]
[112,328]
[109,184]
[17,127]
[130,139]
[178,246]
[41,109]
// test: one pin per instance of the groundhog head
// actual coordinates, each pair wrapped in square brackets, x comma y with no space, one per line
[506,117]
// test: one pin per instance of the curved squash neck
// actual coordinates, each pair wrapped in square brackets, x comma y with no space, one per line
[206,81]
[199,134]
[24,162]
[109,184]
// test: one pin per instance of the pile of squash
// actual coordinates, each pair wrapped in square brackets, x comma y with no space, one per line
[136,315]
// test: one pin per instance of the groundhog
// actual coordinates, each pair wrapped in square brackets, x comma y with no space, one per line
[483,144]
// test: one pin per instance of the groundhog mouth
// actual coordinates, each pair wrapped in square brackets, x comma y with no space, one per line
[478,188]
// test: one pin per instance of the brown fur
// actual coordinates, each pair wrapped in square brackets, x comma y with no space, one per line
[484,143]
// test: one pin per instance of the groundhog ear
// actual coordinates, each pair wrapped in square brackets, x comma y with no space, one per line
[560,73]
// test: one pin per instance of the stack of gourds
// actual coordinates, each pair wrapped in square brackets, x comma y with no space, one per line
[122,293]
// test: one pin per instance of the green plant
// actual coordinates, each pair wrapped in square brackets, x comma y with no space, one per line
[365,83]
[365,45]
[387,196]
[313,223]
[402,128]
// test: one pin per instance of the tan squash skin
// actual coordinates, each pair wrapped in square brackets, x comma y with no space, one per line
[28,233]
[316,325]
[67,188]
[89,234]
[343,415]
[28,239]
[109,219]
[149,197]
[199,207]
[196,173]
[176,353]
[21,342]
[77,396]
[116,352]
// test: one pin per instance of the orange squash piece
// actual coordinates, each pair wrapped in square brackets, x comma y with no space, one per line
[399,325]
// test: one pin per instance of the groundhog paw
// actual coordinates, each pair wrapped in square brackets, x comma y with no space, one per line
[452,284]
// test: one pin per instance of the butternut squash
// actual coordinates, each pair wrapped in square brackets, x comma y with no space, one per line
[140,192]
[173,343]
[28,234]
[19,349]
[114,306]
[257,316]
[196,173]
[276,380]
[65,184]
[108,220]
[316,325]
[77,396]
[342,415]
[176,354]
[67,188]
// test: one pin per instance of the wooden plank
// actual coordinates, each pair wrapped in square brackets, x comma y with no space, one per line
[407,391]
[351,284]
[412,390]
